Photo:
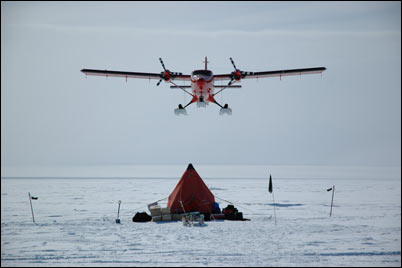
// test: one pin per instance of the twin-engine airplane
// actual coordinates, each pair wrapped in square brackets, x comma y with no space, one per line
[202,81]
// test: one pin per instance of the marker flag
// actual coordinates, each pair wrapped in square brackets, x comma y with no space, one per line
[270,184]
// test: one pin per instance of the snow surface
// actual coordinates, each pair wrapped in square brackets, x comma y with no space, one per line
[75,223]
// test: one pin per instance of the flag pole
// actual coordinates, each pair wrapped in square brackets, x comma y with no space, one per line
[118,211]
[332,201]
[30,201]
[270,189]
[274,206]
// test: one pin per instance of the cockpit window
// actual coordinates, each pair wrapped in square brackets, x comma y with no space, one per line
[203,72]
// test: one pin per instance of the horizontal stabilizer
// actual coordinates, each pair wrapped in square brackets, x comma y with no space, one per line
[233,86]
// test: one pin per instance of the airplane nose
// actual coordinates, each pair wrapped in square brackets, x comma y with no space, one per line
[201,82]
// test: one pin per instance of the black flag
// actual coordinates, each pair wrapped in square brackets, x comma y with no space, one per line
[32,197]
[270,184]
[330,189]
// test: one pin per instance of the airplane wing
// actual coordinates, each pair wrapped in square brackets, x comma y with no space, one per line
[278,73]
[126,75]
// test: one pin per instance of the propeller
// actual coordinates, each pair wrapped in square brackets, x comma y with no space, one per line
[163,73]
[166,74]
[237,74]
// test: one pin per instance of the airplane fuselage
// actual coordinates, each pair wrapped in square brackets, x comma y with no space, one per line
[202,86]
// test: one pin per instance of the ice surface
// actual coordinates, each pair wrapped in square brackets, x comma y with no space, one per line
[75,223]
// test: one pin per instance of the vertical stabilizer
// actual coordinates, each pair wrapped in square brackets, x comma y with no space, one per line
[206,63]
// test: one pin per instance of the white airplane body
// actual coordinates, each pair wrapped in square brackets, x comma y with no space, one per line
[202,81]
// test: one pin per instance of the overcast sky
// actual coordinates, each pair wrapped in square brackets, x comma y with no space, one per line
[51,114]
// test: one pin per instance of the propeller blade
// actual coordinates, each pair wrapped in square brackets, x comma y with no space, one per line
[231,60]
[159,82]
[163,65]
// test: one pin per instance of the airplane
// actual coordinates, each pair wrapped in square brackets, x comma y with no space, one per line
[202,81]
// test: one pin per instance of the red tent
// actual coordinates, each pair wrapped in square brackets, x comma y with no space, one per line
[193,194]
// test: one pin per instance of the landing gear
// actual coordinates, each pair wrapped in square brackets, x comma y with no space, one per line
[201,103]
[225,110]
[180,110]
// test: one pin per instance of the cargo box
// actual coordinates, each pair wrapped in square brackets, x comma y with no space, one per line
[165,211]
[167,217]
[157,218]
[155,211]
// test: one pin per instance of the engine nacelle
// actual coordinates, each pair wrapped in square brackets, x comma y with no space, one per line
[237,75]
[166,75]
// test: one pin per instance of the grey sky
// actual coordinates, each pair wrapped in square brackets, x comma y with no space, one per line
[52,114]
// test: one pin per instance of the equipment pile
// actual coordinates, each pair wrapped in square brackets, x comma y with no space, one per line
[191,202]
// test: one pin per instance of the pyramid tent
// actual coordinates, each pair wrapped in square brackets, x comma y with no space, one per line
[193,194]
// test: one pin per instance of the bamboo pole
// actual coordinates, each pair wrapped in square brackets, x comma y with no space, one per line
[30,201]
[274,205]
[332,201]
[118,211]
